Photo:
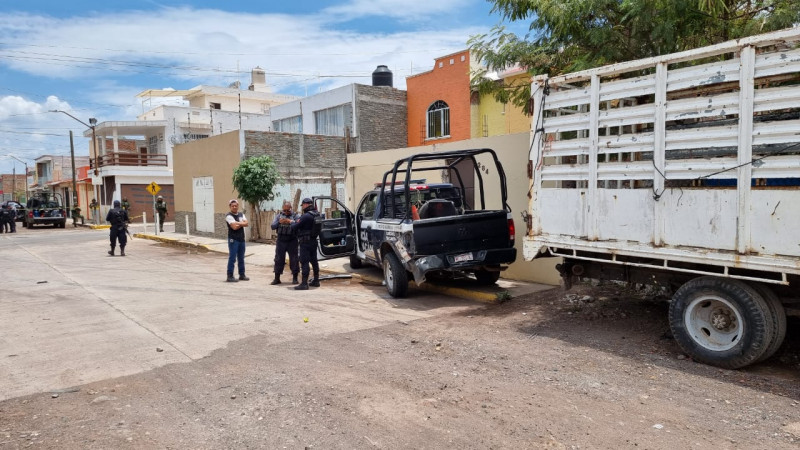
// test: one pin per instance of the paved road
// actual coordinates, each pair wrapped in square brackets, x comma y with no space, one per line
[73,315]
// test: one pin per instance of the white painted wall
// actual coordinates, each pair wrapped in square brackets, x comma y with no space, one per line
[317,102]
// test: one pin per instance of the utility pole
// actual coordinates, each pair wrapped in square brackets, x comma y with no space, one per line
[74,180]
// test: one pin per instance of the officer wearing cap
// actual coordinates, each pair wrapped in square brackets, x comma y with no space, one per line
[161,209]
[118,218]
[308,244]
[286,243]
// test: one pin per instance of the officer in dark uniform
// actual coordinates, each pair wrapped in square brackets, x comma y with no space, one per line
[5,219]
[308,244]
[118,218]
[126,205]
[287,242]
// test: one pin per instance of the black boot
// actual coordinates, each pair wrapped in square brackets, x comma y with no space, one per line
[122,251]
[304,285]
[315,281]
[294,278]
[231,278]
[277,279]
[111,252]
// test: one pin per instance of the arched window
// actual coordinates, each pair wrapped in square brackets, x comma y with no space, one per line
[438,120]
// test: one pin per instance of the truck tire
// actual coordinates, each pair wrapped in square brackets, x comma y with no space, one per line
[487,277]
[778,319]
[355,262]
[395,276]
[721,322]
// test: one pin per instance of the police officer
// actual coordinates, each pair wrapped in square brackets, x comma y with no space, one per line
[118,218]
[287,242]
[5,217]
[126,205]
[308,244]
[161,209]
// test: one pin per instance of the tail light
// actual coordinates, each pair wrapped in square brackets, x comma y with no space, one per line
[511,230]
[63,213]
[30,214]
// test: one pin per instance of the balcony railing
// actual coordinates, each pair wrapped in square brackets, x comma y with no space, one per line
[130,159]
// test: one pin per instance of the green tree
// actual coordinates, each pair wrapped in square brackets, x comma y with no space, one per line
[570,35]
[255,180]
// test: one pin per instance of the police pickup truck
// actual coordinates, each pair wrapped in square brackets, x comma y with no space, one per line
[45,209]
[407,226]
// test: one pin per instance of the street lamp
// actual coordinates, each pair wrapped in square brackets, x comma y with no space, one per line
[92,124]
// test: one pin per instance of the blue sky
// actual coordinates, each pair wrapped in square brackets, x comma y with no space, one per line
[92,58]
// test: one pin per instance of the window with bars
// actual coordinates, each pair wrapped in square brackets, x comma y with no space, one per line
[288,125]
[438,120]
[332,121]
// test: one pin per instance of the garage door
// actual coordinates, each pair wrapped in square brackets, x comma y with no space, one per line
[203,200]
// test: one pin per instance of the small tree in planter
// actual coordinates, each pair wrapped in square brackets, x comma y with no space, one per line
[255,179]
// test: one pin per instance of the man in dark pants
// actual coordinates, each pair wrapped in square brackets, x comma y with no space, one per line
[287,242]
[308,244]
[118,218]
[236,222]
[5,219]
[161,210]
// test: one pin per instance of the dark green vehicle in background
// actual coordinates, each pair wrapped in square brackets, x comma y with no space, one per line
[45,209]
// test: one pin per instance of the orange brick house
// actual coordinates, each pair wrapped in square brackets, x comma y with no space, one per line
[439,107]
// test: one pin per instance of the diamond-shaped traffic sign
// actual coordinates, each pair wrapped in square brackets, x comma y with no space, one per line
[153,188]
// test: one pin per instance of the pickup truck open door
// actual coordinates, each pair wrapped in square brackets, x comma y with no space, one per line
[337,236]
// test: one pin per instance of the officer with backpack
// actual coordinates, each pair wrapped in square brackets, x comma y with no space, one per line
[307,228]
[286,243]
[118,218]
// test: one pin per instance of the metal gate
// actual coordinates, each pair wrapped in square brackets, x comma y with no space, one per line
[203,201]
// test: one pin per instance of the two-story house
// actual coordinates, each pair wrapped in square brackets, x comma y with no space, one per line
[53,174]
[120,170]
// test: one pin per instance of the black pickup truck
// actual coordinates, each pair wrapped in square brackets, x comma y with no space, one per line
[409,226]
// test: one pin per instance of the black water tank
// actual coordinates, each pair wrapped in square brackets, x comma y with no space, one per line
[382,76]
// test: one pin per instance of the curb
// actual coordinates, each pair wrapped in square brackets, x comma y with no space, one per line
[483,297]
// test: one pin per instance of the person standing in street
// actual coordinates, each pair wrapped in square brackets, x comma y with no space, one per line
[161,209]
[5,215]
[94,208]
[287,242]
[12,207]
[126,205]
[236,223]
[118,218]
[307,240]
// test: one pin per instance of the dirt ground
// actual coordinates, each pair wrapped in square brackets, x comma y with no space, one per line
[592,368]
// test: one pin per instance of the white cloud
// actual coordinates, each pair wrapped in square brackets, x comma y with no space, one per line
[400,9]
[204,46]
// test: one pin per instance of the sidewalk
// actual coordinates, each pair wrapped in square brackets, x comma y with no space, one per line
[263,255]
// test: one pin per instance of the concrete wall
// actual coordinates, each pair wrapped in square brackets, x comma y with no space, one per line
[364,169]
[380,118]
[299,156]
[216,157]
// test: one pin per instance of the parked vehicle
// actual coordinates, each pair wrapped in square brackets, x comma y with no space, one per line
[681,170]
[45,209]
[450,235]
[20,210]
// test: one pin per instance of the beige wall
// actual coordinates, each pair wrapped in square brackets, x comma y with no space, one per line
[365,169]
[217,157]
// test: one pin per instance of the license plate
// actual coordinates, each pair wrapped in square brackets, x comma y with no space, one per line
[463,257]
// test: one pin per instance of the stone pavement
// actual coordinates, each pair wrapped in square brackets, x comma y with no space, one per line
[263,255]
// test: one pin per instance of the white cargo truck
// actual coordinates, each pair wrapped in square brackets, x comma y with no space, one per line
[681,170]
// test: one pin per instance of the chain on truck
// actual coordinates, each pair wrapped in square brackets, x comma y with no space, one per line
[681,170]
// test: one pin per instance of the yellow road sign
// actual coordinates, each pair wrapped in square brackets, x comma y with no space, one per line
[153,188]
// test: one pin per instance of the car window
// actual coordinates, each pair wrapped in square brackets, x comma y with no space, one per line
[367,208]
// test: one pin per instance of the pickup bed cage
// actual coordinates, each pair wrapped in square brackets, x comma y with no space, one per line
[405,165]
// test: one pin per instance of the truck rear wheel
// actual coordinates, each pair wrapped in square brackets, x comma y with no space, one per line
[487,277]
[778,319]
[395,276]
[721,322]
